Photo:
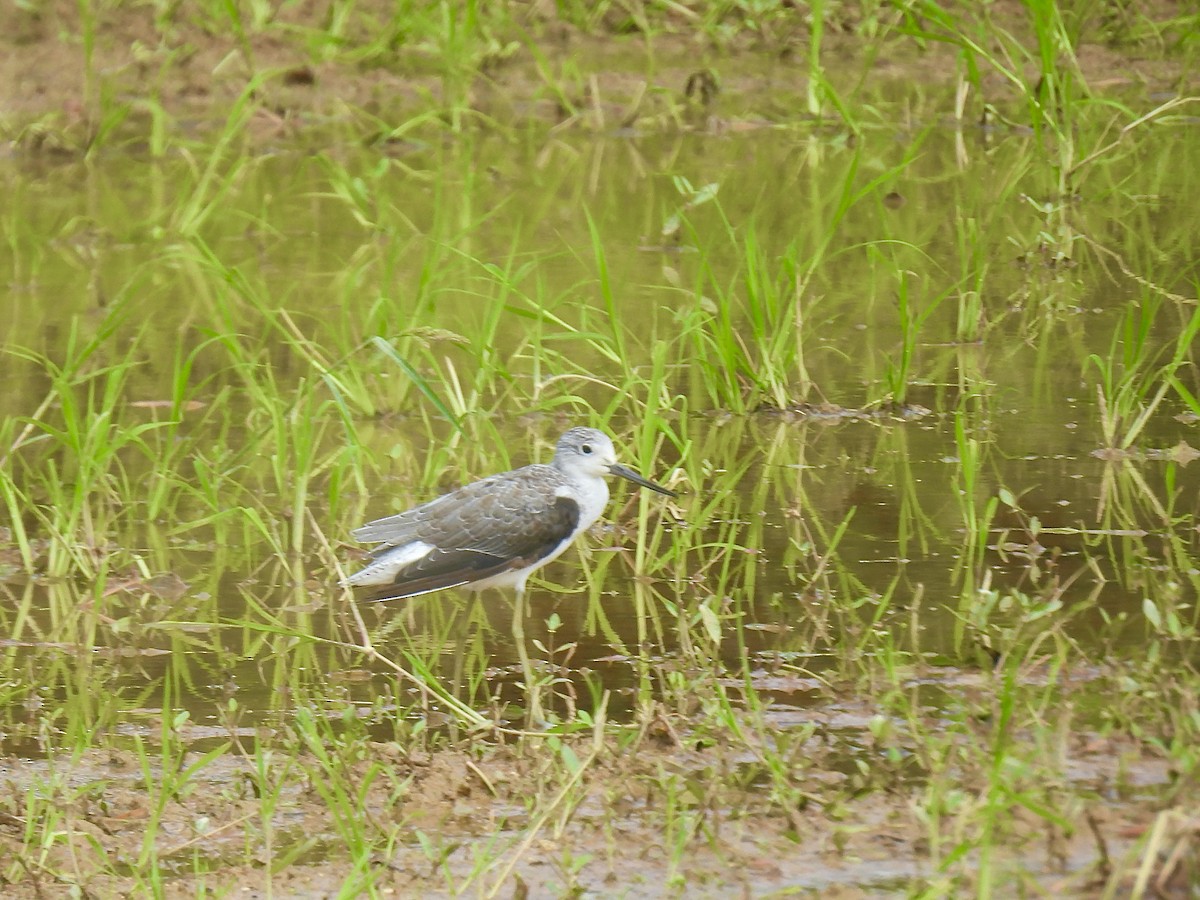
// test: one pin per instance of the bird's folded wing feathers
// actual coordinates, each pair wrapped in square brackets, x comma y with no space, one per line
[503,523]
[439,570]
[505,515]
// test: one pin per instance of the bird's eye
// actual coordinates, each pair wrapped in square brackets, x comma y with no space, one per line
[586,448]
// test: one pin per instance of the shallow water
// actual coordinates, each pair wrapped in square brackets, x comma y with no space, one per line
[485,240]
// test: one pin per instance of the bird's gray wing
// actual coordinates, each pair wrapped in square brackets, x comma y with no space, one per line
[481,530]
[440,570]
[409,525]
[502,515]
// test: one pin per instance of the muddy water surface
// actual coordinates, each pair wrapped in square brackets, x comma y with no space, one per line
[939,481]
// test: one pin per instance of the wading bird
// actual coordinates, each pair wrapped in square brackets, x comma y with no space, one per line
[495,532]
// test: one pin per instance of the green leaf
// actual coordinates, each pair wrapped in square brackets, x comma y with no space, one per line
[422,385]
[711,622]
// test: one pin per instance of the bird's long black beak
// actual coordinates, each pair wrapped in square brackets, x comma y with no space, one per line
[630,475]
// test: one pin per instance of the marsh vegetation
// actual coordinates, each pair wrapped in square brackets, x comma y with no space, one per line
[900,298]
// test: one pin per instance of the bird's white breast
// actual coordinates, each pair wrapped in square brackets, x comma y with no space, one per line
[591,494]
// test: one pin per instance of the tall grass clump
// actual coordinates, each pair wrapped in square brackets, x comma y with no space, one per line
[1134,379]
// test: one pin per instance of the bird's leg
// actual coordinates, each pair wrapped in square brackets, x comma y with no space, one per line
[533,711]
[462,641]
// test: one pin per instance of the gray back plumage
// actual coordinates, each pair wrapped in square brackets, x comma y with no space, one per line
[503,515]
